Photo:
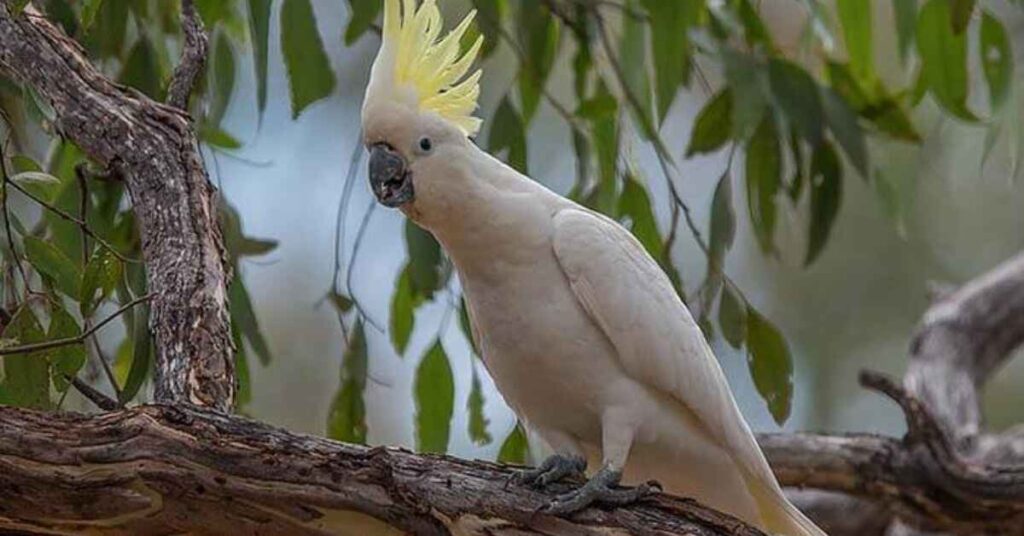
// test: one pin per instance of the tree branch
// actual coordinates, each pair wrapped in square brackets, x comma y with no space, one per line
[154,148]
[77,339]
[156,468]
[193,57]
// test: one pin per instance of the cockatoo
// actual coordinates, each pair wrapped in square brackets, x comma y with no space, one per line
[580,329]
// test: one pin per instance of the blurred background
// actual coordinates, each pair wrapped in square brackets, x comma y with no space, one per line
[926,213]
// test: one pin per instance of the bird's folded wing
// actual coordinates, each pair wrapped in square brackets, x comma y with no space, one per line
[658,343]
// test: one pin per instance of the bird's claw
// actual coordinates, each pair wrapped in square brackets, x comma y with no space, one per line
[601,489]
[553,469]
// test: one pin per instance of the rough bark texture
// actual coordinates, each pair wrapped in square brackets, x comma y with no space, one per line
[172,470]
[154,148]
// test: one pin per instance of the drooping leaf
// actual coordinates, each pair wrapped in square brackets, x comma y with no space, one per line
[855,19]
[906,24]
[346,420]
[943,58]
[362,15]
[996,59]
[605,135]
[106,35]
[26,376]
[882,109]
[244,316]
[259,34]
[635,204]
[218,137]
[141,356]
[89,10]
[424,261]
[713,126]
[633,61]
[799,177]
[797,94]
[56,266]
[670,23]
[67,360]
[477,420]
[826,193]
[213,11]
[960,14]
[508,132]
[748,81]
[222,69]
[732,317]
[842,121]
[515,448]
[142,70]
[490,15]
[539,36]
[310,75]
[723,224]
[403,309]
[435,401]
[763,167]
[102,273]
[467,328]
[40,184]
[771,366]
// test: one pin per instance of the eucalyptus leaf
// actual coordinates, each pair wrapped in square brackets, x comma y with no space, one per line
[713,125]
[944,58]
[362,15]
[310,75]
[434,390]
[763,168]
[26,376]
[771,365]
[56,266]
[346,420]
[515,448]
[477,420]
[826,194]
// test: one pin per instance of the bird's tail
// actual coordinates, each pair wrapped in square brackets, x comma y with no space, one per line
[778,515]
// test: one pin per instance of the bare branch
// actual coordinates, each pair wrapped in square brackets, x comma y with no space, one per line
[78,339]
[193,57]
[101,400]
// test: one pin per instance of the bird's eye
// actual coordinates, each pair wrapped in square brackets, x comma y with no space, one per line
[425,144]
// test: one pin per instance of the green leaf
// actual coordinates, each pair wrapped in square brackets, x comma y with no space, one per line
[244,316]
[960,14]
[477,420]
[346,420]
[18,6]
[310,75]
[102,273]
[467,328]
[40,184]
[424,261]
[842,121]
[259,33]
[670,23]
[826,193]
[906,23]
[713,125]
[490,15]
[142,355]
[605,135]
[26,376]
[89,10]
[996,59]
[882,109]
[107,33]
[855,19]
[635,204]
[56,266]
[508,131]
[538,35]
[763,168]
[748,81]
[732,317]
[243,378]
[796,184]
[218,138]
[435,401]
[213,11]
[797,94]
[222,69]
[65,360]
[142,70]
[633,59]
[723,224]
[771,366]
[515,447]
[363,13]
[944,58]
[403,309]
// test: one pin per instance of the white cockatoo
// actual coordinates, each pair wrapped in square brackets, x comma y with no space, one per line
[580,329]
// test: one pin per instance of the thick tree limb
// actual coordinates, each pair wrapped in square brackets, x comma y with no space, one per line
[154,148]
[160,469]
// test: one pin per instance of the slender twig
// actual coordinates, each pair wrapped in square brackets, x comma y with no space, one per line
[73,219]
[193,57]
[101,400]
[77,339]
[351,268]
[7,216]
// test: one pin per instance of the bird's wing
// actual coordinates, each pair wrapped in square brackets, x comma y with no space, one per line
[658,343]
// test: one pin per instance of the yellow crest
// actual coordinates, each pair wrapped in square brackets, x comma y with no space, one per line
[435,69]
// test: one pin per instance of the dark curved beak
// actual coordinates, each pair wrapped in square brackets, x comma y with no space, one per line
[390,178]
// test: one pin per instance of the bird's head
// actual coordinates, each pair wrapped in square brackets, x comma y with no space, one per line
[417,113]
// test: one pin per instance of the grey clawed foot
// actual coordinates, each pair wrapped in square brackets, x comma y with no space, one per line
[553,469]
[601,489]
